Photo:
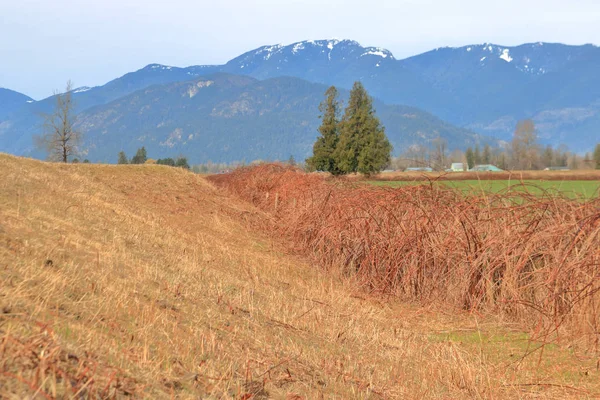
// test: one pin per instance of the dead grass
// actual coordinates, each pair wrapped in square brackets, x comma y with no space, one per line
[145,282]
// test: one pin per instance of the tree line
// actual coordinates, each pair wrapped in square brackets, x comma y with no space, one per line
[523,152]
[141,157]
[354,142]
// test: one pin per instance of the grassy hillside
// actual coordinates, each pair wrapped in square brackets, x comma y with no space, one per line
[145,282]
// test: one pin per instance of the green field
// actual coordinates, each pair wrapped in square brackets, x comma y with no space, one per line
[574,189]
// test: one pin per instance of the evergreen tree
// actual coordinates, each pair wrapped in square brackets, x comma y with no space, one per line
[182,162]
[140,156]
[502,163]
[487,154]
[323,149]
[597,156]
[362,146]
[122,158]
[291,161]
[470,156]
[166,161]
[477,155]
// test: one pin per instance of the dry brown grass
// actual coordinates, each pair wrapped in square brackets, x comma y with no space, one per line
[145,282]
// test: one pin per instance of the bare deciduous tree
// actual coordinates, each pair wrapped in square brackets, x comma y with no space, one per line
[525,150]
[59,138]
[438,154]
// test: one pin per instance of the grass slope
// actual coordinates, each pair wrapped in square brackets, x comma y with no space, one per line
[144,282]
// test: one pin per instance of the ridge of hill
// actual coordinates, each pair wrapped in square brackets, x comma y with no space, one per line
[224,118]
[483,88]
[146,282]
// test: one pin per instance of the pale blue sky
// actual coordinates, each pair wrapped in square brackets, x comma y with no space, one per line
[44,43]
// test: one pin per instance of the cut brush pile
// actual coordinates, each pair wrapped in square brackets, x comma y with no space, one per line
[532,258]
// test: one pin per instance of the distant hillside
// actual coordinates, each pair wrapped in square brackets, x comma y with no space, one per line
[228,117]
[225,118]
[555,84]
[25,121]
[11,101]
[485,88]
[341,63]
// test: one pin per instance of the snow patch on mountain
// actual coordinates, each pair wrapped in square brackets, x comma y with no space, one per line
[333,49]
[377,51]
[297,47]
[82,89]
[506,55]
[270,50]
[160,67]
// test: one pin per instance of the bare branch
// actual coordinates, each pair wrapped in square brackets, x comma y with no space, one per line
[59,138]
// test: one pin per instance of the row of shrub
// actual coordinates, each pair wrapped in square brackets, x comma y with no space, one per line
[531,258]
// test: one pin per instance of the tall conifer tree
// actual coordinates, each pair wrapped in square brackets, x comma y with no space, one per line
[470,156]
[323,149]
[363,146]
[122,158]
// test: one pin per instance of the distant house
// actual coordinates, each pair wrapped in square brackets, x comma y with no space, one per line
[557,169]
[457,167]
[418,169]
[485,168]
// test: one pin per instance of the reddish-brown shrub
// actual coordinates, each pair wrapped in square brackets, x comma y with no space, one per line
[533,258]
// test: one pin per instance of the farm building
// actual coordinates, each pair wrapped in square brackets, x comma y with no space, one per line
[557,169]
[457,167]
[418,169]
[485,168]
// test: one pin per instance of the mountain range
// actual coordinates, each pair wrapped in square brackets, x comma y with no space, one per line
[11,101]
[263,104]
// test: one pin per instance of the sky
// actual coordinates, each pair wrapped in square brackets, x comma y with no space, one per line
[45,43]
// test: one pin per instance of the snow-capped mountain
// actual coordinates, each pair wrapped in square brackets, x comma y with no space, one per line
[314,52]
[338,62]
[532,59]
[492,86]
[483,87]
